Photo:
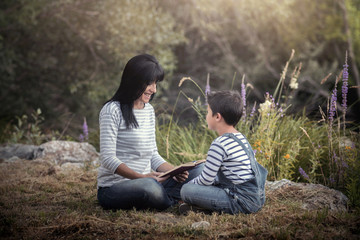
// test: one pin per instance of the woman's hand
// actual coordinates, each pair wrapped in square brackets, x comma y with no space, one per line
[156,175]
[181,177]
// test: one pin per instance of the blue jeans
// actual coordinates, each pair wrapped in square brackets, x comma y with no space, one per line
[144,193]
[209,197]
[224,196]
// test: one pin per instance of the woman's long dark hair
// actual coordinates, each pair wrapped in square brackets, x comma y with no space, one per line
[139,72]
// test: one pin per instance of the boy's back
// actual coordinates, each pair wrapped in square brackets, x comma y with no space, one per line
[227,156]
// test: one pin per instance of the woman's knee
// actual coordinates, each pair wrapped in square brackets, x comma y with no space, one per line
[156,195]
[142,193]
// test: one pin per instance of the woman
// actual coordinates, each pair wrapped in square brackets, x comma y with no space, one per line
[128,150]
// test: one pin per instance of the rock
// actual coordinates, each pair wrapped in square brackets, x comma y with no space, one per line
[201,224]
[21,151]
[70,154]
[271,186]
[312,196]
[13,159]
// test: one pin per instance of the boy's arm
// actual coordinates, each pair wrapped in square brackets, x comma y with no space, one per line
[212,166]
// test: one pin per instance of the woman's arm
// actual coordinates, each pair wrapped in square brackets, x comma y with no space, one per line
[164,167]
[127,172]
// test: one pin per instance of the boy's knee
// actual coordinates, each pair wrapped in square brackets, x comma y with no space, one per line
[186,190]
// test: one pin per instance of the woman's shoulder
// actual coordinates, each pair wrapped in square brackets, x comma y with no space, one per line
[149,107]
[112,107]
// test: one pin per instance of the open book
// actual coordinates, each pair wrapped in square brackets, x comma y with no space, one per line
[182,168]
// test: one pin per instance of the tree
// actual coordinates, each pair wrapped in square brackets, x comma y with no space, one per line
[255,38]
[66,57]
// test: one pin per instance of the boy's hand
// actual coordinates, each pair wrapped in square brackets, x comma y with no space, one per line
[181,177]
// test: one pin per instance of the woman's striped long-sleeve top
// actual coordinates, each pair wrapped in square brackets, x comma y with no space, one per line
[136,147]
[226,155]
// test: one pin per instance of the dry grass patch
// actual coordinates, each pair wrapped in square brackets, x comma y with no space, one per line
[39,201]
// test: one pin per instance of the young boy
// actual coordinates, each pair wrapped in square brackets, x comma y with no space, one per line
[231,181]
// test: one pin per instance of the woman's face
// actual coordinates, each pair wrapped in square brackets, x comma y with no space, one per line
[146,96]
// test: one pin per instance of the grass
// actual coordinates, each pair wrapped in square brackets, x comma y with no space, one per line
[38,201]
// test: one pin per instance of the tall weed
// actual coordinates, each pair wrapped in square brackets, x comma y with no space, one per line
[289,146]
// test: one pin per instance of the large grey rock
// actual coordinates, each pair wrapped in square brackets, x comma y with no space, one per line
[20,151]
[311,196]
[68,153]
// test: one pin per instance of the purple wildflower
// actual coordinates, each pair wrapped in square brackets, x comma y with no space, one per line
[81,137]
[303,173]
[272,98]
[85,130]
[344,164]
[332,108]
[254,151]
[243,97]
[281,112]
[253,110]
[344,87]
[332,180]
[335,157]
[207,88]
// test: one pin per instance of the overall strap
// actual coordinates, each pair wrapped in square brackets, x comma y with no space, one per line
[250,152]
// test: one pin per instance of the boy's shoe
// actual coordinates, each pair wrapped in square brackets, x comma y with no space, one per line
[184,209]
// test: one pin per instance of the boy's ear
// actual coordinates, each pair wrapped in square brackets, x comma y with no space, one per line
[218,117]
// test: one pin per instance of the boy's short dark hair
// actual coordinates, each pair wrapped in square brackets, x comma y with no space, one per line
[228,104]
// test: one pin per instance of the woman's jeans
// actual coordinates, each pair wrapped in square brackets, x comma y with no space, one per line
[144,193]
[224,196]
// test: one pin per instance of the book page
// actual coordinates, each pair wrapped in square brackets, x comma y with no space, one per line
[181,168]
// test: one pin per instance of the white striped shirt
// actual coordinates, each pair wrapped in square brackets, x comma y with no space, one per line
[226,155]
[136,147]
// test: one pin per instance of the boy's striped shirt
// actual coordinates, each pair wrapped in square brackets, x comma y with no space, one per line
[227,155]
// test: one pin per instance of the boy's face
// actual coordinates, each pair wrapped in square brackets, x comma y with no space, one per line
[210,119]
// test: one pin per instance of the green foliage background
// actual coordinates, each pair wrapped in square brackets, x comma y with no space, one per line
[60,60]
[66,57]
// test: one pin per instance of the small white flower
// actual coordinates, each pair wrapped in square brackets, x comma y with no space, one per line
[265,107]
[293,83]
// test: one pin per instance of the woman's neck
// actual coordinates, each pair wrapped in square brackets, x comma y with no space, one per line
[139,105]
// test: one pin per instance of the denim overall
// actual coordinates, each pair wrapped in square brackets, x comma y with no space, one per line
[248,197]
